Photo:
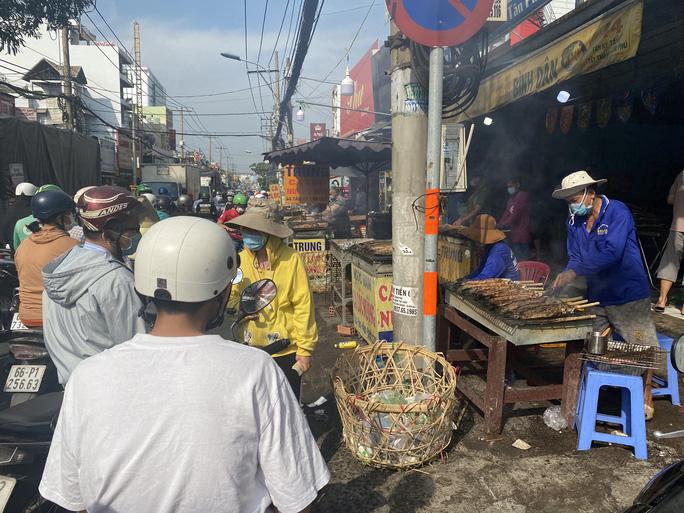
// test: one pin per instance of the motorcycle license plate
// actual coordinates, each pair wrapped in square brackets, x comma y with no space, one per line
[17,325]
[6,486]
[25,378]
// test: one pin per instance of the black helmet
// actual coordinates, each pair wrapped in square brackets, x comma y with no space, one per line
[164,203]
[47,204]
[162,190]
[184,201]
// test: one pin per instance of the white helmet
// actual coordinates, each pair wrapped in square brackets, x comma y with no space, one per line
[151,198]
[186,259]
[25,188]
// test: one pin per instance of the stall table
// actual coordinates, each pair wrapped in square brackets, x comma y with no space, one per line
[497,334]
[340,251]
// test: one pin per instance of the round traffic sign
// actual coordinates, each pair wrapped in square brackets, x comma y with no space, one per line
[439,22]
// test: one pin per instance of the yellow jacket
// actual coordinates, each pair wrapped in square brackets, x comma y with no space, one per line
[291,314]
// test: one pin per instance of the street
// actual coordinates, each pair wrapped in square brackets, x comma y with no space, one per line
[488,477]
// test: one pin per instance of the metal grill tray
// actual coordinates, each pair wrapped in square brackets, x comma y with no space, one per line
[522,332]
[622,354]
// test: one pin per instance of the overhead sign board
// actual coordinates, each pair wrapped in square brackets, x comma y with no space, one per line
[517,11]
[439,22]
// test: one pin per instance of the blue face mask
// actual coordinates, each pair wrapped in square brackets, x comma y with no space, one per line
[130,250]
[579,209]
[254,241]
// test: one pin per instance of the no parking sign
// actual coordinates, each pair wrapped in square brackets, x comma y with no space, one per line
[439,22]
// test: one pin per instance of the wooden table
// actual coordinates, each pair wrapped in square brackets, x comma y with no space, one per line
[498,355]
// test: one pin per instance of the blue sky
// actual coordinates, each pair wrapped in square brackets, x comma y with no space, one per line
[181,42]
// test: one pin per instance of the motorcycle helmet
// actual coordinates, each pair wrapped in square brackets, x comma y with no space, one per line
[164,203]
[48,187]
[162,190]
[185,201]
[151,198]
[169,267]
[25,189]
[143,188]
[100,205]
[80,193]
[47,204]
[240,200]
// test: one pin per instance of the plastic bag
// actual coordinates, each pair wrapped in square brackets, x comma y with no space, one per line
[554,419]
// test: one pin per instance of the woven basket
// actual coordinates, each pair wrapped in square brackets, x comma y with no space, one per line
[396,403]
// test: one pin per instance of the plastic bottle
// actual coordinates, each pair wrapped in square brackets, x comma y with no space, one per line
[351,344]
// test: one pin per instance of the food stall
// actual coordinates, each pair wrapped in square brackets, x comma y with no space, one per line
[310,242]
[502,317]
[456,256]
[372,290]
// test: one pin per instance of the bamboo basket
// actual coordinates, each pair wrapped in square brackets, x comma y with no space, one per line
[396,403]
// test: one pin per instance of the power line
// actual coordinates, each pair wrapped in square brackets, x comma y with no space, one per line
[249,80]
[346,54]
[280,30]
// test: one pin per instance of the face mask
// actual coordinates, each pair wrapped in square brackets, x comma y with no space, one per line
[218,320]
[579,209]
[512,190]
[240,210]
[133,246]
[253,241]
[69,223]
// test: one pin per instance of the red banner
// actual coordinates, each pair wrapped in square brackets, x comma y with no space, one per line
[317,130]
[352,121]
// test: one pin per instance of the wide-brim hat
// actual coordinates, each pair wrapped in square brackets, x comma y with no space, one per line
[574,183]
[483,230]
[260,218]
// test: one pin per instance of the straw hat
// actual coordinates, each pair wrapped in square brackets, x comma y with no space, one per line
[574,183]
[483,230]
[260,218]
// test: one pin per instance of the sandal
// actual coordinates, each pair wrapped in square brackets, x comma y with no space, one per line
[659,309]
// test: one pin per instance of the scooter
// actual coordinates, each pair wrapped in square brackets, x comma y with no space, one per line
[27,370]
[26,429]
[8,283]
[664,493]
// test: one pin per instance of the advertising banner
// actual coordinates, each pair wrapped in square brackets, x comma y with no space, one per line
[372,299]
[274,192]
[352,121]
[306,184]
[611,38]
[316,131]
[315,258]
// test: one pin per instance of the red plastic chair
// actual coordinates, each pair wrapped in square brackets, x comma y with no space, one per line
[537,272]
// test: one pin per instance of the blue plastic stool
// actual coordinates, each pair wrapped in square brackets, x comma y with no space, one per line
[631,417]
[671,386]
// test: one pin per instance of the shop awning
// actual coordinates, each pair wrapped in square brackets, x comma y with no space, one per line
[335,152]
[607,39]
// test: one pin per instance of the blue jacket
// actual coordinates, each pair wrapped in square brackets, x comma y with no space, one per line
[498,261]
[609,256]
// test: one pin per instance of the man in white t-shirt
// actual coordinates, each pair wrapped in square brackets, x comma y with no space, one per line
[178,421]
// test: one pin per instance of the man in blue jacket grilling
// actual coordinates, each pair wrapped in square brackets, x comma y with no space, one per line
[602,246]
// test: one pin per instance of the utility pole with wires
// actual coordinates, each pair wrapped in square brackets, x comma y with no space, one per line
[409,152]
[138,114]
[66,77]
[288,114]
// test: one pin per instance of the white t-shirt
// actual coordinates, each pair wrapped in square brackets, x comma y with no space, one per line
[195,424]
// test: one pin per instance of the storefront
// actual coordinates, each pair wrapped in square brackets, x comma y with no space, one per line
[620,62]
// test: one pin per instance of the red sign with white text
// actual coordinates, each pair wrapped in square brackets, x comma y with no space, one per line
[353,121]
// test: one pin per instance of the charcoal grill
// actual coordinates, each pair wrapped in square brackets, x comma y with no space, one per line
[374,251]
[522,332]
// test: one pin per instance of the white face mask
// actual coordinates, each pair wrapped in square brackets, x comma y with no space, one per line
[512,190]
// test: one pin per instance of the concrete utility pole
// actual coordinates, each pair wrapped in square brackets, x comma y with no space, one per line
[290,130]
[138,118]
[66,76]
[276,95]
[409,147]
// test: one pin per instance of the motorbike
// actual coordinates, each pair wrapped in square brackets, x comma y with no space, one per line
[26,429]
[8,283]
[26,367]
[664,493]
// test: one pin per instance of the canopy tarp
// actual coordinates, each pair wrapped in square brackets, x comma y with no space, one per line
[46,154]
[363,155]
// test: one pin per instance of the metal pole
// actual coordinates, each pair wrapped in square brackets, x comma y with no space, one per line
[276,95]
[66,75]
[409,126]
[434,153]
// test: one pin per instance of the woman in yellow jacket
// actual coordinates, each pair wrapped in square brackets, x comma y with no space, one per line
[291,314]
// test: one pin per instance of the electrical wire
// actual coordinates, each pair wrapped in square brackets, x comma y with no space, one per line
[349,48]
[249,80]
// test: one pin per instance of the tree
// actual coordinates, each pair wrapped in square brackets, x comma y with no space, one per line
[266,174]
[20,19]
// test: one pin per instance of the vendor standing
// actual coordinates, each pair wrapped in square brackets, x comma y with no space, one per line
[496,259]
[336,215]
[516,218]
[602,246]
